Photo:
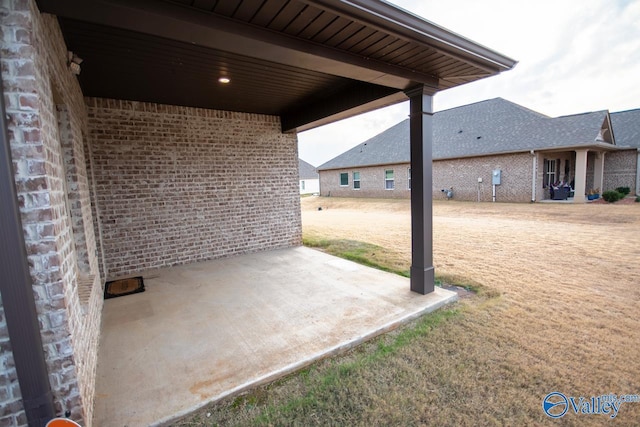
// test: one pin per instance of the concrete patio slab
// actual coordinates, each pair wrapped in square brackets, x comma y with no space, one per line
[203,331]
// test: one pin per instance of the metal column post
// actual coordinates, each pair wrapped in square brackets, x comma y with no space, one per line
[421,138]
[17,295]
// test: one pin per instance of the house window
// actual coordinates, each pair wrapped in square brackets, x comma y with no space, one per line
[550,168]
[389,183]
[356,180]
[409,177]
[344,179]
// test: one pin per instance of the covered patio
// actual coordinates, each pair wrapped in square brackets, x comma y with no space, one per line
[145,134]
[573,175]
[575,167]
[204,331]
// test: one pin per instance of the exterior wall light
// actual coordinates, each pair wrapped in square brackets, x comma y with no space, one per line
[74,62]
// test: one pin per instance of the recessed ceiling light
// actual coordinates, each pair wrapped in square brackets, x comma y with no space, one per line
[224,80]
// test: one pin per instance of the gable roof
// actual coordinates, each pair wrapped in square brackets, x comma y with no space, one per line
[306,170]
[488,127]
[626,127]
[578,128]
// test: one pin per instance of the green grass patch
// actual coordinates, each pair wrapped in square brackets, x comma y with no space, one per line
[386,260]
[341,373]
[363,253]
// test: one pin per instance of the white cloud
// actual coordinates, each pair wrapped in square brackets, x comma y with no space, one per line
[573,56]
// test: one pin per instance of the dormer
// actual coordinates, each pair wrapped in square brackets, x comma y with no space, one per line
[606,134]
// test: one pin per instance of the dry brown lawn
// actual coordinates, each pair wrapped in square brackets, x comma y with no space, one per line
[567,318]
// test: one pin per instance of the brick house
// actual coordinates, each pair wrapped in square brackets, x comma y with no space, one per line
[531,151]
[619,166]
[176,143]
[309,178]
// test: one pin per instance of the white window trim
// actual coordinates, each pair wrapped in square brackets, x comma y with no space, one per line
[408,178]
[550,172]
[353,179]
[341,184]
[393,180]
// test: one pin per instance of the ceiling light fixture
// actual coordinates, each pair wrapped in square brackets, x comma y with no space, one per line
[224,80]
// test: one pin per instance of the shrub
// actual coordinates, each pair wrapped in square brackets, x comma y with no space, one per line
[638,199]
[612,196]
[623,190]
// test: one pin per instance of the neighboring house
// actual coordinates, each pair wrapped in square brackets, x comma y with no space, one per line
[309,178]
[531,151]
[621,165]
[176,143]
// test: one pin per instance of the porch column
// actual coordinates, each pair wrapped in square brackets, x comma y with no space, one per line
[421,138]
[581,176]
[598,171]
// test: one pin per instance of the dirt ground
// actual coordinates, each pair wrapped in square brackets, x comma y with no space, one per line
[569,278]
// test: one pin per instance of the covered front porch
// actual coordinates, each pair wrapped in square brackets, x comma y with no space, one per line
[574,168]
[204,331]
[572,176]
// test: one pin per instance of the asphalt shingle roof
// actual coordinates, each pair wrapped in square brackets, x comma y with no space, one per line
[483,128]
[626,128]
[306,170]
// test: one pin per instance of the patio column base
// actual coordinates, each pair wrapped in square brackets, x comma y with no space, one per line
[423,280]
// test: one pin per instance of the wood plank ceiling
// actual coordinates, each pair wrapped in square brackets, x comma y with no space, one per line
[309,62]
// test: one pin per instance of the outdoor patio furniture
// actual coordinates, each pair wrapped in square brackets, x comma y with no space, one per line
[560,193]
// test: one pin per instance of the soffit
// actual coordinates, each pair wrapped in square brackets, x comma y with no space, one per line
[309,62]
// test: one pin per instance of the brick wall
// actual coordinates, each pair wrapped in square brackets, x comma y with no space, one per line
[46,122]
[620,170]
[461,174]
[176,185]
[372,182]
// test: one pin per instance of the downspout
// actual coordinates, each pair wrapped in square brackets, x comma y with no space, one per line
[17,294]
[533,175]
[638,174]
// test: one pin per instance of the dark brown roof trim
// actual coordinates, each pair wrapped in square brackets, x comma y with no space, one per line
[397,21]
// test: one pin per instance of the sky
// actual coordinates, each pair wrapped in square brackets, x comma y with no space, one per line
[574,56]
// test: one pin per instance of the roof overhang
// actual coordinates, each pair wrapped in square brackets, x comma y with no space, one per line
[308,61]
[595,146]
[589,147]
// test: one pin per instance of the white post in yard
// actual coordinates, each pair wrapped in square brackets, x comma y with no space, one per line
[534,169]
